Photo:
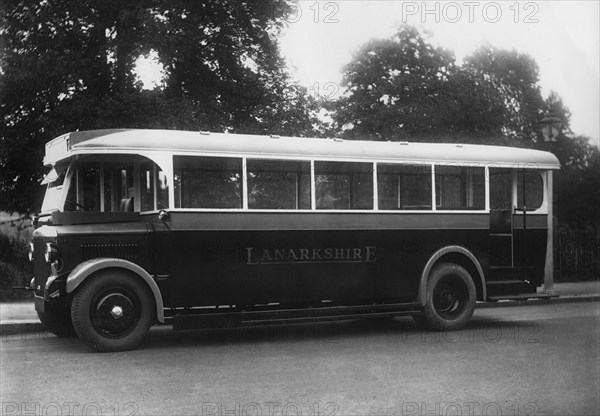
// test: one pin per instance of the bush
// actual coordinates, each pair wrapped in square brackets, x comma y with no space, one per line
[576,253]
[15,268]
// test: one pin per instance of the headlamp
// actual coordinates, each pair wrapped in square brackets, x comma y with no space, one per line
[51,254]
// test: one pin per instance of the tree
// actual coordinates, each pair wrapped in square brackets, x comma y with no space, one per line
[577,183]
[69,66]
[404,88]
[577,188]
[506,93]
[395,88]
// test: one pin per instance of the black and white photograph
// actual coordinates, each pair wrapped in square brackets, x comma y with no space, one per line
[299,208]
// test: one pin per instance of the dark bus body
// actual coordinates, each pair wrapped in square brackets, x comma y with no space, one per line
[107,271]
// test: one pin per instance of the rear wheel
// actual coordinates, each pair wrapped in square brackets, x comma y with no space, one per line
[57,319]
[113,311]
[450,298]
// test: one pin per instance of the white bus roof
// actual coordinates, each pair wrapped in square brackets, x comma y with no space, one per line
[149,142]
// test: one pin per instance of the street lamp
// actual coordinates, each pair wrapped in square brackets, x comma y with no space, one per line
[551,126]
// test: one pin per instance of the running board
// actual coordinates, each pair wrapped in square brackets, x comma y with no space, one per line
[507,282]
[291,316]
[522,296]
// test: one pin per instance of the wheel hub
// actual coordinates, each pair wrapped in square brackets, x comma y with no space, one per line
[450,297]
[117,312]
[114,314]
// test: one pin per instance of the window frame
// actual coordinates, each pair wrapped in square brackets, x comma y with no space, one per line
[243,190]
[352,184]
[469,187]
[426,167]
[74,181]
[250,162]
[374,162]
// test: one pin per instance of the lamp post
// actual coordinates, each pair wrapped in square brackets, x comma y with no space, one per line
[550,126]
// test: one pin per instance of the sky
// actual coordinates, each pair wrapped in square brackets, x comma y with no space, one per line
[562,36]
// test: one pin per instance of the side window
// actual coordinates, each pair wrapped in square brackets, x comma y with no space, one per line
[162,197]
[90,187]
[501,186]
[84,190]
[71,201]
[458,187]
[113,187]
[278,184]
[118,187]
[343,185]
[125,187]
[153,188]
[109,181]
[147,187]
[208,182]
[55,180]
[534,190]
[404,187]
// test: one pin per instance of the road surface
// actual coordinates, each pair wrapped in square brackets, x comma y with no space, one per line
[533,360]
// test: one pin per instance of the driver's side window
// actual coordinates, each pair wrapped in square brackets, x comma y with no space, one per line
[119,188]
[84,189]
[116,185]
[107,188]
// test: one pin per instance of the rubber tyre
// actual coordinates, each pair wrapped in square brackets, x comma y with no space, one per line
[57,320]
[450,298]
[93,308]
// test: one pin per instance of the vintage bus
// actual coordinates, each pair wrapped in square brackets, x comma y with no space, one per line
[200,229]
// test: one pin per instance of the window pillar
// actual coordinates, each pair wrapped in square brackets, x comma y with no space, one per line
[313,201]
[433,186]
[244,183]
[375,190]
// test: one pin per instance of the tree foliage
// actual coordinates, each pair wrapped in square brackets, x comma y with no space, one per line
[404,88]
[393,88]
[69,65]
[506,93]
[577,184]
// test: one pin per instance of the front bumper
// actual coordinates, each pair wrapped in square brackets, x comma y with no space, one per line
[40,304]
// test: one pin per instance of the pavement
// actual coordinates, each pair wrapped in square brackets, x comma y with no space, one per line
[20,317]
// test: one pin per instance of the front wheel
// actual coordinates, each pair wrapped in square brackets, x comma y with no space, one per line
[450,298]
[113,311]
